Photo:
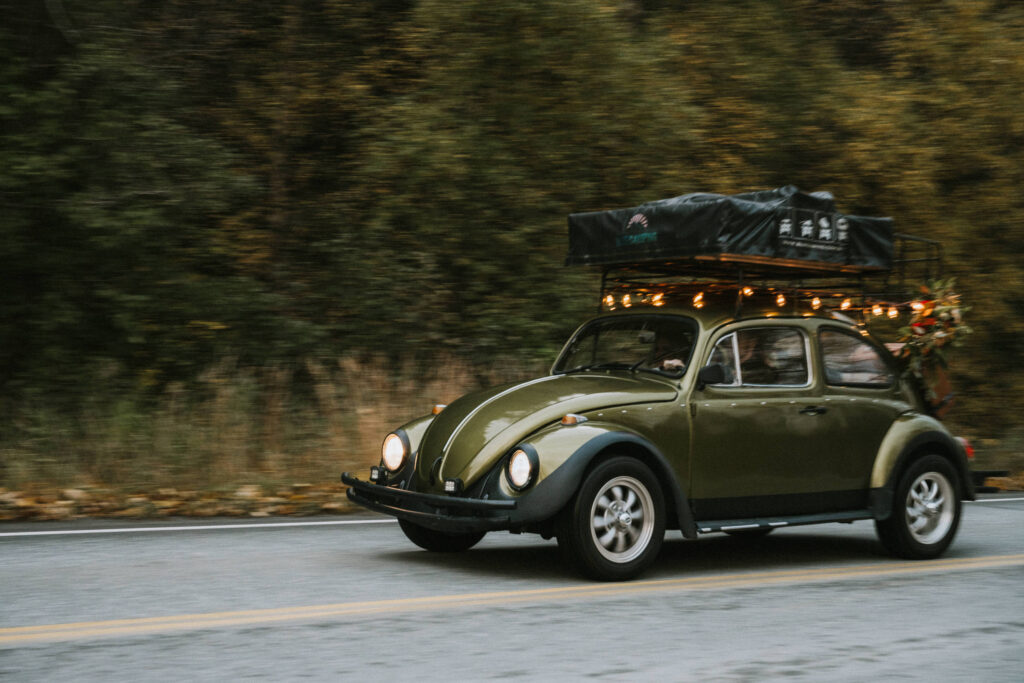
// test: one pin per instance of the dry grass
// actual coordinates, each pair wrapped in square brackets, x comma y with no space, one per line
[235,426]
[263,426]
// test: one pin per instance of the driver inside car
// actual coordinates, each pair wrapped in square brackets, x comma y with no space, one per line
[668,353]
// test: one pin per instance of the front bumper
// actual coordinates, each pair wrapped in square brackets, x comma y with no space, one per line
[442,513]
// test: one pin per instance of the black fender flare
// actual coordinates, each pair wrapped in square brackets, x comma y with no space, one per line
[881,503]
[558,488]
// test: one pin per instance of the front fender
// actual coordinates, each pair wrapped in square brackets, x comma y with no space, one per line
[565,455]
[415,430]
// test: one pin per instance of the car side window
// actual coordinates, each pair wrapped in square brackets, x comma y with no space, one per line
[724,354]
[763,356]
[851,361]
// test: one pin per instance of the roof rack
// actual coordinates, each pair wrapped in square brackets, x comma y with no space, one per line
[916,261]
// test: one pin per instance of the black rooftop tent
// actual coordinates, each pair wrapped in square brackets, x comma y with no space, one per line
[781,230]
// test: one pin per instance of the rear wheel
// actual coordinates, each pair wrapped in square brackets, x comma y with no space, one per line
[439,541]
[613,528]
[926,510]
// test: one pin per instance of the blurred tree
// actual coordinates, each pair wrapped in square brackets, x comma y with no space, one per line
[520,112]
[184,181]
[959,65]
[109,207]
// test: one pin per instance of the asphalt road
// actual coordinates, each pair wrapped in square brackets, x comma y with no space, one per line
[356,601]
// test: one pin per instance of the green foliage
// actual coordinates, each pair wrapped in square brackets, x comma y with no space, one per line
[518,114]
[184,182]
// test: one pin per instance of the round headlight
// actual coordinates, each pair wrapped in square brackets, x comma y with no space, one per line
[520,469]
[393,452]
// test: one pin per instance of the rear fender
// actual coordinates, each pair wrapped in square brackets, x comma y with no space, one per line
[909,437]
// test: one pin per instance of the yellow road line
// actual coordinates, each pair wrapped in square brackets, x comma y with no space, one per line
[144,625]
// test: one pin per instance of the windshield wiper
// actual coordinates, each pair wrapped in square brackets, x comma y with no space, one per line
[598,366]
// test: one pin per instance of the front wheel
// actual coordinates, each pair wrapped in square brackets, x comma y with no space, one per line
[439,541]
[613,528]
[926,511]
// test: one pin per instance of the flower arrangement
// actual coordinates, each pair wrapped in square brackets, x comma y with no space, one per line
[936,324]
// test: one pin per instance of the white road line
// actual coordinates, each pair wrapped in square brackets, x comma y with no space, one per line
[261,525]
[271,525]
[996,500]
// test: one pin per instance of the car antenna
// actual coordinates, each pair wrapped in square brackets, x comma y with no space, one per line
[604,278]
[739,293]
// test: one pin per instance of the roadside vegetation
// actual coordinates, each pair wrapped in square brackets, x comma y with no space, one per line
[235,433]
[239,241]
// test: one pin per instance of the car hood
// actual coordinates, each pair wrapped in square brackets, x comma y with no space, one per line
[472,433]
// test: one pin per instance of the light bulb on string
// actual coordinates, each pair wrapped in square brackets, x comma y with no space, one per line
[893,312]
[846,304]
[876,310]
[780,300]
[815,303]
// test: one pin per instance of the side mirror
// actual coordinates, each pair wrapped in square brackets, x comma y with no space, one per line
[711,374]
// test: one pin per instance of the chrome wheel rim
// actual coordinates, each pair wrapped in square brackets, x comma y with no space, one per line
[622,519]
[930,508]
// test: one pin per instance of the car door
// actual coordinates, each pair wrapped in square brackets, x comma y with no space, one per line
[759,444]
[862,397]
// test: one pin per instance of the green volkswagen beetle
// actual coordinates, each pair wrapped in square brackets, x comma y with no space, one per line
[672,419]
[728,409]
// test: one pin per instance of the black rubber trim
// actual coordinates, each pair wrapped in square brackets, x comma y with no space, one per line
[433,519]
[386,495]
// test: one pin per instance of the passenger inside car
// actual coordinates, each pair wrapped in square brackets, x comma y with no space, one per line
[754,368]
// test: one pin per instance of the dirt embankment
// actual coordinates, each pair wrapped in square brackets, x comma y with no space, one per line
[250,500]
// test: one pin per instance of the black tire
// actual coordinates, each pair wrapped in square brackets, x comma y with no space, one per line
[439,541]
[925,510]
[613,527]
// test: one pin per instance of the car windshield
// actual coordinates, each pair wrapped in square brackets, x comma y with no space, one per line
[650,343]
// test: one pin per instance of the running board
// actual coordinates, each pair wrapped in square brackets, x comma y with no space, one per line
[711,526]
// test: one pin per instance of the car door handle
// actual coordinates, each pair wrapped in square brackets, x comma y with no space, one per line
[814,410]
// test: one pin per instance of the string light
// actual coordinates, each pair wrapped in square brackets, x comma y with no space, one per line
[816,303]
